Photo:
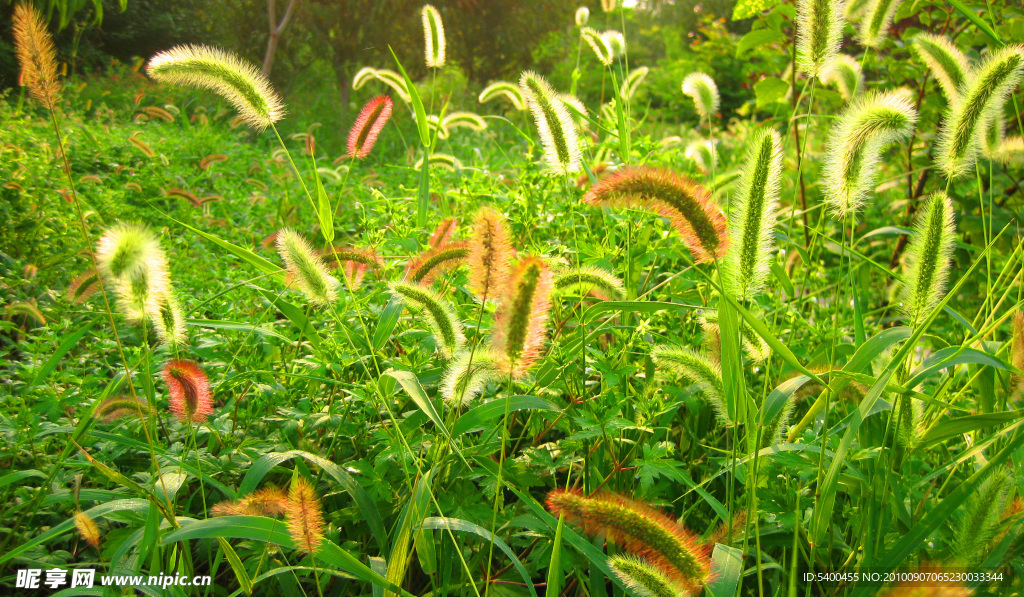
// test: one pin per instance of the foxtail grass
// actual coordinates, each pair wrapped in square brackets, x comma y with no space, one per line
[468,375]
[224,73]
[844,72]
[82,287]
[616,42]
[928,257]
[87,528]
[490,254]
[305,516]
[702,90]
[1017,351]
[819,33]
[753,216]
[687,205]
[982,96]
[582,16]
[269,501]
[463,119]
[444,324]
[557,130]
[875,26]
[643,577]
[608,5]
[589,279]
[598,43]
[168,320]
[632,82]
[854,146]
[434,38]
[368,125]
[981,518]
[444,232]
[191,401]
[36,55]
[426,267]
[509,91]
[702,152]
[944,60]
[696,366]
[117,407]
[363,76]
[307,268]
[520,324]
[640,530]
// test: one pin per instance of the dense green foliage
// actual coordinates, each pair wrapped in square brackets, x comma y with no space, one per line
[770,408]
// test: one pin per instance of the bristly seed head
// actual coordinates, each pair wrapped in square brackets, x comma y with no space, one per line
[819,33]
[598,43]
[844,71]
[490,254]
[191,401]
[981,99]
[509,91]
[644,577]
[305,518]
[307,267]
[521,320]
[425,268]
[440,316]
[928,257]
[554,123]
[946,62]
[640,530]
[685,203]
[224,73]
[854,146]
[702,89]
[433,32]
[368,125]
[36,54]
[582,16]
[697,367]
[87,528]
[469,373]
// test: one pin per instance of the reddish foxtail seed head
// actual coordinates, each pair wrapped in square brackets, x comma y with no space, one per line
[191,401]
[87,528]
[269,501]
[490,253]
[444,232]
[685,203]
[36,54]
[436,261]
[305,520]
[640,530]
[637,527]
[368,125]
[1017,347]
[521,320]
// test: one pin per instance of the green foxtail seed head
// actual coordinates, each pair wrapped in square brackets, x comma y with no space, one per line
[598,43]
[589,279]
[854,146]
[982,97]
[702,152]
[168,321]
[469,373]
[83,286]
[520,323]
[633,81]
[307,268]
[615,41]
[433,33]
[557,130]
[640,530]
[819,33]
[699,368]
[490,254]
[643,577]
[363,75]
[395,82]
[435,261]
[844,72]
[928,257]
[582,16]
[753,216]
[573,104]
[460,119]
[909,421]
[444,232]
[305,518]
[854,9]
[877,19]
[1010,151]
[944,60]
[608,5]
[980,520]
[686,204]
[117,407]
[444,324]
[702,89]
[509,91]
[219,71]
[130,259]
[368,125]
[36,54]
[445,161]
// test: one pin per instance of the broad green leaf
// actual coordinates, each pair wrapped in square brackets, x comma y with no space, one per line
[770,90]
[386,323]
[464,526]
[944,430]
[236,565]
[484,415]
[417,105]
[974,18]
[952,356]
[237,327]
[757,38]
[243,254]
[726,570]
[412,386]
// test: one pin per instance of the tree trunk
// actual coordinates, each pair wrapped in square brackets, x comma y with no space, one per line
[276,29]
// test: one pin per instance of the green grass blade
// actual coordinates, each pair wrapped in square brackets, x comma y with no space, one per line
[69,342]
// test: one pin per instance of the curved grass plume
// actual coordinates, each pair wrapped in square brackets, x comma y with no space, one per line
[589,279]
[307,268]
[469,373]
[598,43]
[441,318]
[702,89]
[843,71]
[686,204]
[643,577]
[433,36]
[36,55]
[222,72]
[696,366]
[944,60]
[191,401]
[368,125]
[509,91]
[520,324]
[854,146]
[875,26]
[435,261]
[557,130]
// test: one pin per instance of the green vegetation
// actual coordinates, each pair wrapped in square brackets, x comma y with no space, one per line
[652,318]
